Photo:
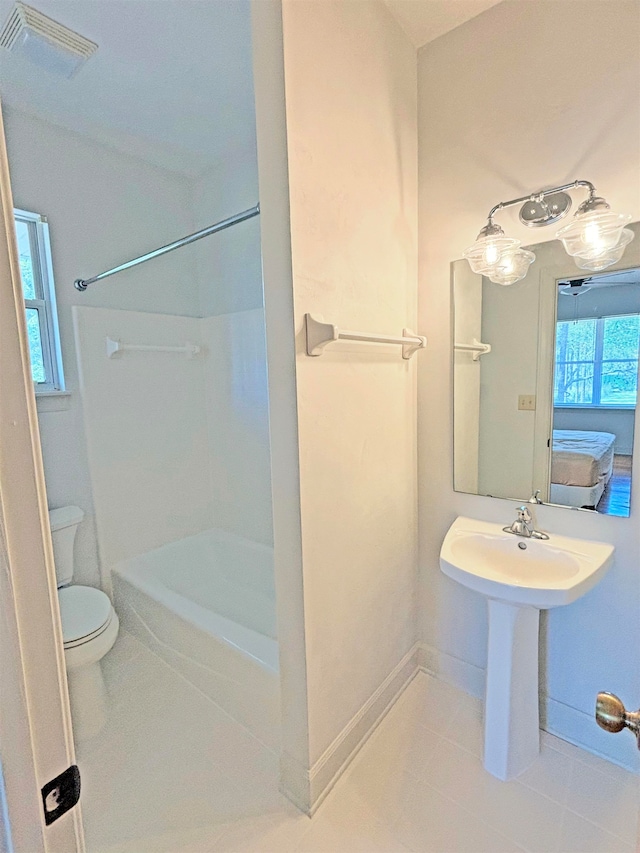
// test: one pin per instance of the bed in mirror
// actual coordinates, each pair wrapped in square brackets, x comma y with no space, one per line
[545,381]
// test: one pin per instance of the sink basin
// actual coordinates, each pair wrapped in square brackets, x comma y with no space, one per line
[534,572]
[519,577]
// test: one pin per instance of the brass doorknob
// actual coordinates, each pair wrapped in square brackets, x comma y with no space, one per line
[612,716]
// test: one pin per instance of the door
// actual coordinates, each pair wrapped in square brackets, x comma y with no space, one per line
[35,721]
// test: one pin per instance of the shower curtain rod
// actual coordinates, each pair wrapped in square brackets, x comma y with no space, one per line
[83,283]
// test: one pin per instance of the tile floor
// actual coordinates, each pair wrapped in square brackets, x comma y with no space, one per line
[171,773]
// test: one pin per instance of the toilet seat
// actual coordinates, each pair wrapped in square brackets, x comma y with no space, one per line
[85,613]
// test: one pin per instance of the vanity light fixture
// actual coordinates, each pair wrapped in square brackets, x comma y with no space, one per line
[596,237]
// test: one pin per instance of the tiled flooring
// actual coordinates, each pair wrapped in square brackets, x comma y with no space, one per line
[173,774]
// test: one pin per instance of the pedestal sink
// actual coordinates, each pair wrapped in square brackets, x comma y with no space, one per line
[519,577]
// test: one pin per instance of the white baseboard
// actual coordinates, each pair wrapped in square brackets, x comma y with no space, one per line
[581,729]
[308,788]
[459,673]
[558,719]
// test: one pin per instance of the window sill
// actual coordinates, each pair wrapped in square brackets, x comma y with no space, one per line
[595,408]
[53,401]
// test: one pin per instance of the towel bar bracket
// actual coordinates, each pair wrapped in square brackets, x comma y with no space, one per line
[319,334]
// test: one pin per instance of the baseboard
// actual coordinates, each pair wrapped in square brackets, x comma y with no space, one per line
[563,721]
[459,673]
[308,788]
[580,728]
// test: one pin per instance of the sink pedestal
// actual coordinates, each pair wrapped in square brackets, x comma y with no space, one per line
[512,728]
[519,577]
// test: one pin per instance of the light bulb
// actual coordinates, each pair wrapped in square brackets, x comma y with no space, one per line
[592,237]
[491,253]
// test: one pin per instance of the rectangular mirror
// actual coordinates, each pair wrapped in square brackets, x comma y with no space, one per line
[545,381]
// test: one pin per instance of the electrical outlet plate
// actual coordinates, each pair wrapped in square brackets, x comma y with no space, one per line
[526,402]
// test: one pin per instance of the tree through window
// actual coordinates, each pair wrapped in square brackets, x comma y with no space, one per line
[597,361]
[34,254]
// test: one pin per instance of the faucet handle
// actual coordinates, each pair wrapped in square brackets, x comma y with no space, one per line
[534,499]
[524,514]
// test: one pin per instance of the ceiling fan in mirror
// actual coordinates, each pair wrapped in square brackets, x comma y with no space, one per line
[574,287]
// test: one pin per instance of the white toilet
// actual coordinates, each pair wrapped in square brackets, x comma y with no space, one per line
[89,627]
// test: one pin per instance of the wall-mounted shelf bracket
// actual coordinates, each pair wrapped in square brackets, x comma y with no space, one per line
[319,334]
[476,348]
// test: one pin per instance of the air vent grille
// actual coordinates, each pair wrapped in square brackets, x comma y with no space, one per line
[25,22]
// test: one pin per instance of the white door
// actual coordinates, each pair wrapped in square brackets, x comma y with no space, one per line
[36,743]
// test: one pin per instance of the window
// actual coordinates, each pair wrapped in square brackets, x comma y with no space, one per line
[597,362]
[34,252]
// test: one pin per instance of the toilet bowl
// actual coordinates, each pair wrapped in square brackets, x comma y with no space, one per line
[89,628]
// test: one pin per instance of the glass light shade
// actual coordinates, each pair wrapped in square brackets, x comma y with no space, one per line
[486,252]
[608,258]
[499,258]
[512,266]
[593,235]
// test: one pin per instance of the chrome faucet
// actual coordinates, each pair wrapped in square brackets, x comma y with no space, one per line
[524,525]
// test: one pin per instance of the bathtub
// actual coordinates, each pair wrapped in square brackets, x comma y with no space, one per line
[206,605]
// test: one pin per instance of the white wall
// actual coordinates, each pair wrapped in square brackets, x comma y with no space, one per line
[601,302]
[103,208]
[492,127]
[351,121]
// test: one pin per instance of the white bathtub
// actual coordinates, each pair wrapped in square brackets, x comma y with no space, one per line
[206,604]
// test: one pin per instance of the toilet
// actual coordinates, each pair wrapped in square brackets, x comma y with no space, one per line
[89,628]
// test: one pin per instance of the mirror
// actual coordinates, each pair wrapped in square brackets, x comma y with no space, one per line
[545,381]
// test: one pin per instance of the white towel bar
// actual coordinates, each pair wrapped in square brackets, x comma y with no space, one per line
[116,347]
[475,347]
[319,334]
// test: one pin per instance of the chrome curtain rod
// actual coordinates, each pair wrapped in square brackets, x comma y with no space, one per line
[83,283]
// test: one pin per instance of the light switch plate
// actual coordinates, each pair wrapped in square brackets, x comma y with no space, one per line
[526,402]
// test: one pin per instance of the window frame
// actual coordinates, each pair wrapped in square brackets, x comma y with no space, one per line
[45,301]
[597,363]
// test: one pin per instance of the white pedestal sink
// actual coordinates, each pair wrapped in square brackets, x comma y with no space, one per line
[519,576]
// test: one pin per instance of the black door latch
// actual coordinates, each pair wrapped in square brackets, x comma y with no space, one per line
[61,794]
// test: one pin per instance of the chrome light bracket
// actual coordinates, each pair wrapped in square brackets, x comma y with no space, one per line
[545,209]
[547,206]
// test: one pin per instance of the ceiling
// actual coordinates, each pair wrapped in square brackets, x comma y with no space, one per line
[171,80]
[426,20]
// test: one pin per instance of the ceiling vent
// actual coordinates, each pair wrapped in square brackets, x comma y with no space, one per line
[44,41]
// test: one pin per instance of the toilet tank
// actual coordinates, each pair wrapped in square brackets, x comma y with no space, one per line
[64,523]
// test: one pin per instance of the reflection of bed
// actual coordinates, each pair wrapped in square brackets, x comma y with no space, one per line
[581,466]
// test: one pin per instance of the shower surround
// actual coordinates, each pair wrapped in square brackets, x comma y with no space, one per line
[178,451]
